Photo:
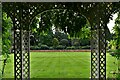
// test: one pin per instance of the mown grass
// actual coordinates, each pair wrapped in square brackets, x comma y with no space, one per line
[60,65]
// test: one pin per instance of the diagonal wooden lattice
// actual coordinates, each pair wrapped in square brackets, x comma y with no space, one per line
[98,53]
[94,55]
[102,54]
[17,54]
[25,55]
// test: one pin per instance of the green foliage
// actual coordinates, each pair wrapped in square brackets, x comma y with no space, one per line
[66,22]
[55,42]
[64,42]
[84,42]
[112,45]
[51,48]
[85,47]
[6,35]
[115,51]
[6,39]
[60,47]
[33,26]
[0,45]
[60,35]
[44,47]
[116,30]
[35,48]
[76,44]
[115,42]
[69,21]
[71,48]
[85,32]
[41,38]
[46,38]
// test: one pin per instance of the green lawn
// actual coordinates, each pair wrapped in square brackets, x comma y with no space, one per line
[60,65]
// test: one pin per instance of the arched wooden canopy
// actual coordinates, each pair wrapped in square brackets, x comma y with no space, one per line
[22,13]
[28,10]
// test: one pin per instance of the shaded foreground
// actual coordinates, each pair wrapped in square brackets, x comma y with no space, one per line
[60,65]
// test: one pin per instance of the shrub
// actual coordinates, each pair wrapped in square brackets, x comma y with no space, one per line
[55,42]
[115,53]
[60,47]
[76,44]
[34,48]
[44,47]
[31,47]
[78,47]
[85,47]
[51,48]
[84,42]
[64,42]
[71,48]
[39,45]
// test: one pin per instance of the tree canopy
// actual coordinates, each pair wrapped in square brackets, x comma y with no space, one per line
[67,20]
[116,29]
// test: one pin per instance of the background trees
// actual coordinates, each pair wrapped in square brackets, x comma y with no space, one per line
[114,44]
[115,40]
[64,25]
[117,32]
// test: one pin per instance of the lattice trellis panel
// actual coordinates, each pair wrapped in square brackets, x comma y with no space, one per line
[102,54]
[94,55]
[17,43]
[25,55]
[17,55]
[21,54]
[98,53]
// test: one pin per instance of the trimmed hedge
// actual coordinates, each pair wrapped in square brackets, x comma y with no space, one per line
[44,47]
[70,48]
[60,47]
[85,47]
[34,48]
[51,48]
[64,42]
[73,48]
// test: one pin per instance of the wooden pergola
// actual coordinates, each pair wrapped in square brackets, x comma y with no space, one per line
[22,14]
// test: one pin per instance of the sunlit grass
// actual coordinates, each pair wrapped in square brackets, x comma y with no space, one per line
[60,65]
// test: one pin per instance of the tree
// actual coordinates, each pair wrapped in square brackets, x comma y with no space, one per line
[55,42]
[60,34]
[6,38]
[116,42]
[67,20]
[85,32]
[117,32]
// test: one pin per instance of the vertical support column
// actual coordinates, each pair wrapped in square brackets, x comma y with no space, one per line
[102,47]
[25,44]
[17,54]
[25,55]
[21,54]
[94,54]
[21,45]
[17,42]
[98,54]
